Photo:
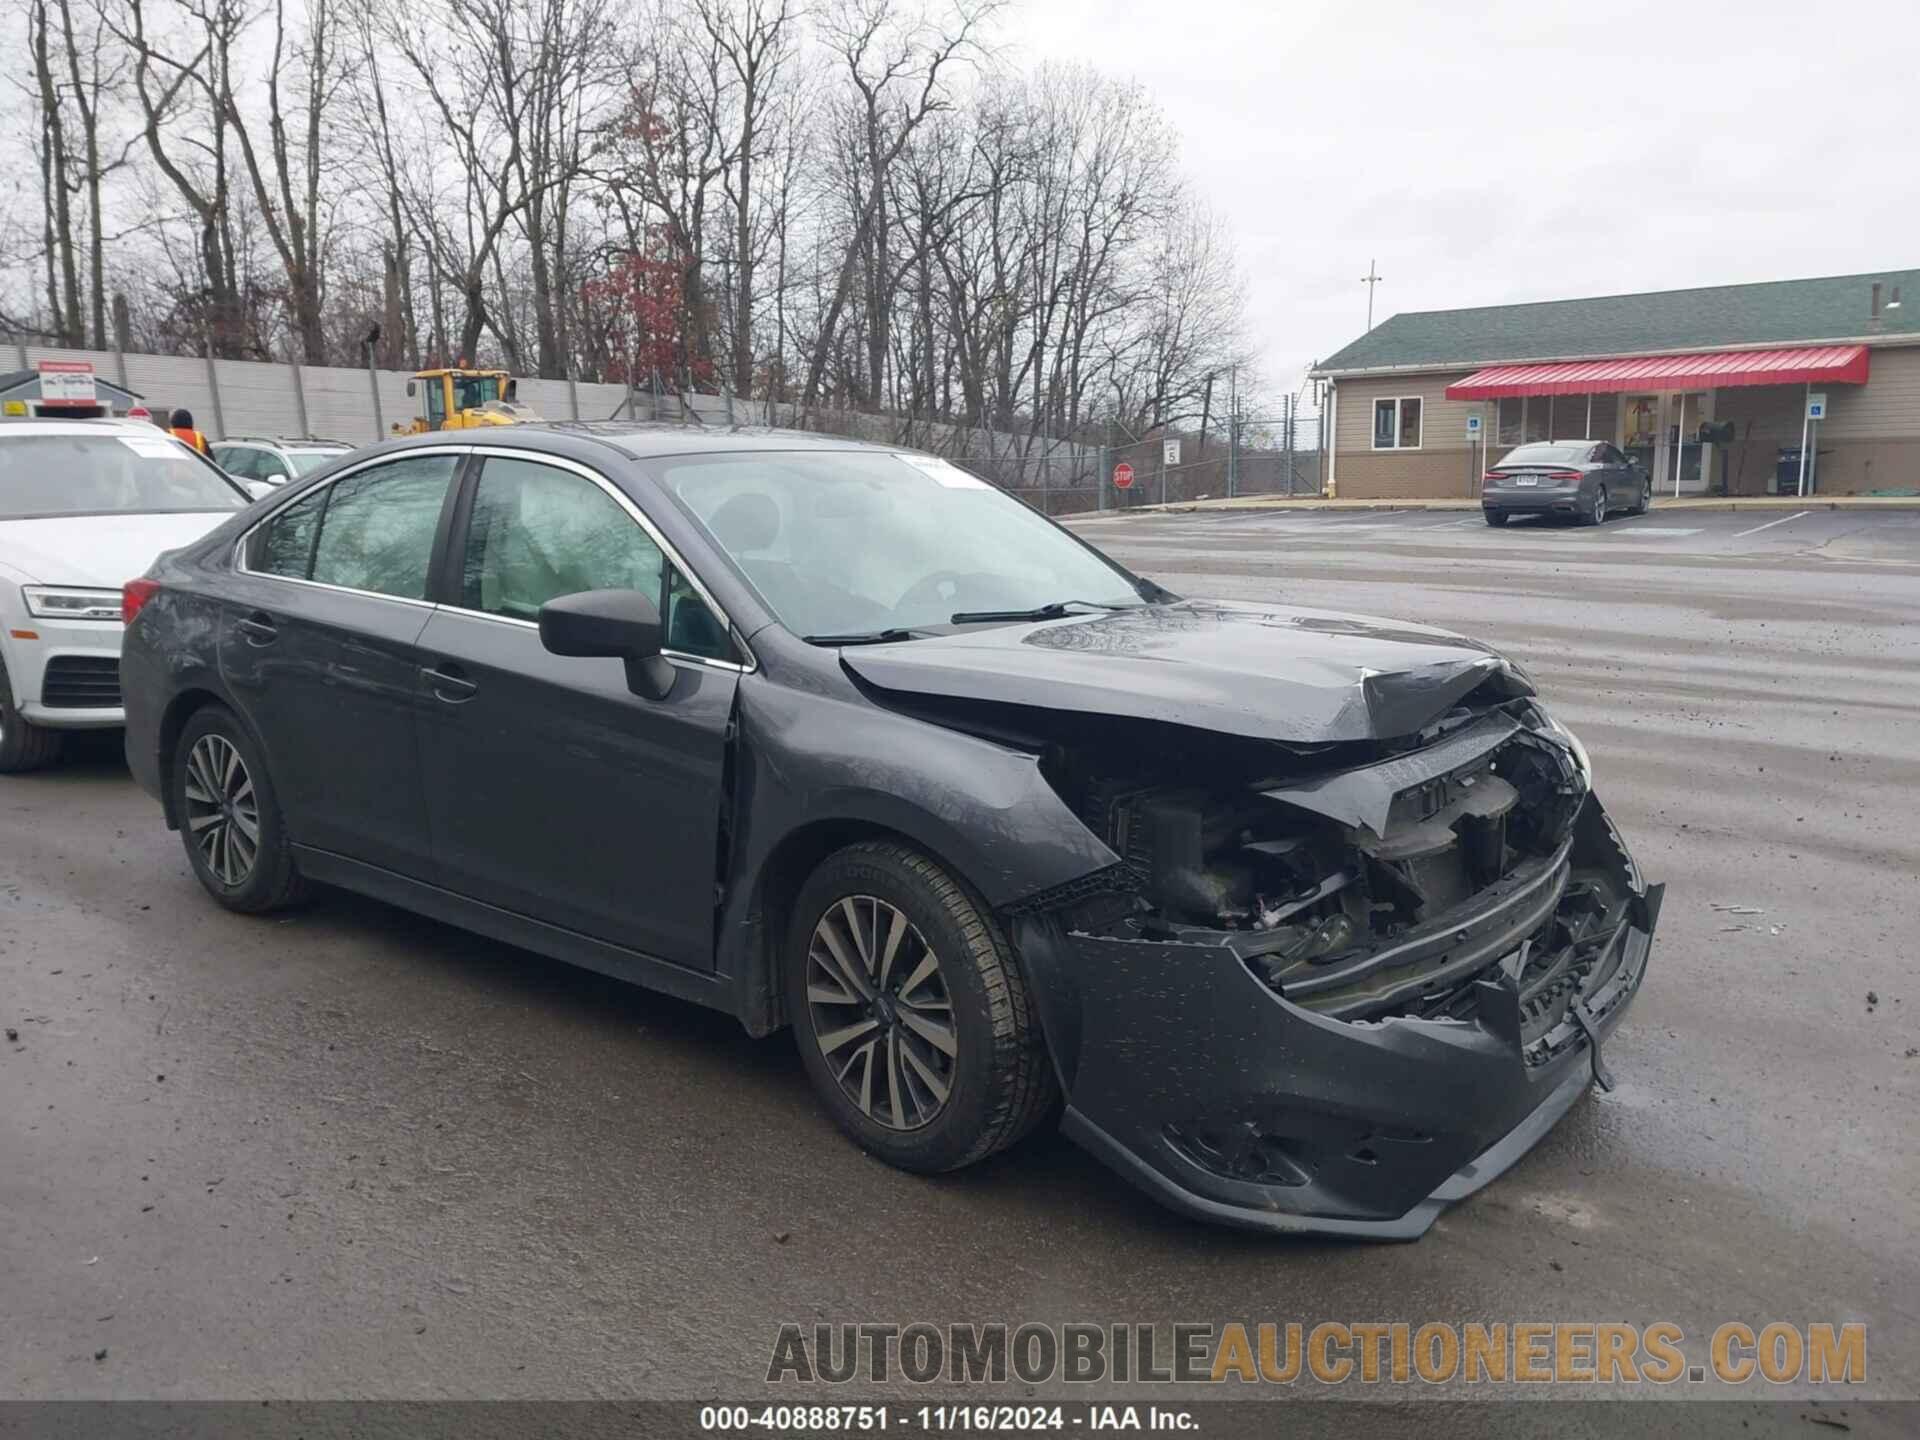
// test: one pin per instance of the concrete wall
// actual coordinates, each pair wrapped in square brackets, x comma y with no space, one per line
[245,397]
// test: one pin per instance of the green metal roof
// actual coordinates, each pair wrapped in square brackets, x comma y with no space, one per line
[1779,312]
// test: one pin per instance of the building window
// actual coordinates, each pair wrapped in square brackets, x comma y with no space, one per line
[1512,407]
[1396,424]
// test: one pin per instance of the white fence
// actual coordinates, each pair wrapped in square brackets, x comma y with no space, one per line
[244,397]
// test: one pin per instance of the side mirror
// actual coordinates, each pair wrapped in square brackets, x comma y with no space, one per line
[410,389]
[614,624]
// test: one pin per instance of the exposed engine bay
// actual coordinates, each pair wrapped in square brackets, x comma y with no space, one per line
[1375,885]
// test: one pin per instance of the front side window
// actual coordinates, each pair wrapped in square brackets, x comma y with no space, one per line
[108,473]
[1396,423]
[305,462]
[539,532]
[378,526]
[853,542]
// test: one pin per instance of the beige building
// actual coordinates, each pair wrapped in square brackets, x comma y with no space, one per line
[1708,389]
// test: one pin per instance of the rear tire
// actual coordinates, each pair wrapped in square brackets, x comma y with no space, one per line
[1497,518]
[1645,503]
[230,819]
[930,1070]
[1596,513]
[23,745]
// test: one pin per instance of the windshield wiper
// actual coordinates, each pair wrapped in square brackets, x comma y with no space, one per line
[1051,611]
[860,637]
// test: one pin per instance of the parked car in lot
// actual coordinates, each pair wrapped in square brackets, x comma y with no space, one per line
[1312,921]
[84,505]
[1583,480]
[275,462]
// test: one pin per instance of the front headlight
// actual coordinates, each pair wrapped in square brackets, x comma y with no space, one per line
[1571,741]
[53,602]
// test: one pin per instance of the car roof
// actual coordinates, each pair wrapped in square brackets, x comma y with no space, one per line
[640,439]
[107,425]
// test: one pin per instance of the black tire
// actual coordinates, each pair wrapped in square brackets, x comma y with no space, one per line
[1001,1082]
[1645,503]
[1497,518]
[1596,513]
[269,880]
[23,745]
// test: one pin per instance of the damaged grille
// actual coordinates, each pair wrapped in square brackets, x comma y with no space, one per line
[1403,885]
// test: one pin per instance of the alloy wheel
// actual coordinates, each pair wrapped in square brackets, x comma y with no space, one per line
[1600,506]
[881,1012]
[223,813]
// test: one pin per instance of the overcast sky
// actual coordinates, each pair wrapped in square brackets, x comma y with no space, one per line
[1497,152]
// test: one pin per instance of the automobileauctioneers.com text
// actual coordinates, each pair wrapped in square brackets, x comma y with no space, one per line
[1327,1353]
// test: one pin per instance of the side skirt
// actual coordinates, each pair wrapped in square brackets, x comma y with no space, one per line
[515,929]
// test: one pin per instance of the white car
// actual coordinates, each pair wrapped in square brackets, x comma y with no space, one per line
[85,506]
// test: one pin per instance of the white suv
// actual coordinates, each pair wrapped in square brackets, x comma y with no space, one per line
[251,457]
[85,506]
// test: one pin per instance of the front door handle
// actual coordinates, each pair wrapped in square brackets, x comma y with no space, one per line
[449,684]
[259,628]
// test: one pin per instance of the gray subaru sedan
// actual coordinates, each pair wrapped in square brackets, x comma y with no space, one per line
[1300,921]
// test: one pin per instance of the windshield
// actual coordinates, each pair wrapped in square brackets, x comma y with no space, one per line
[305,462]
[470,392]
[1549,454]
[107,473]
[852,543]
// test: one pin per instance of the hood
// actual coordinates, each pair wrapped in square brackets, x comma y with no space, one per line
[97,551]
[1261,671]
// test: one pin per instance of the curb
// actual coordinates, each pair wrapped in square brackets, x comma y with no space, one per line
[1762,503]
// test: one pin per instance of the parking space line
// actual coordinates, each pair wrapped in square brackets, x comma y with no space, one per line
[1771,523]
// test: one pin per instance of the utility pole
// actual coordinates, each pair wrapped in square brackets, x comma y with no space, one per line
[1233,432]
[1289,444]
[1371,279]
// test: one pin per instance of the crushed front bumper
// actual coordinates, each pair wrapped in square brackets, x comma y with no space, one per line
[1231,1103]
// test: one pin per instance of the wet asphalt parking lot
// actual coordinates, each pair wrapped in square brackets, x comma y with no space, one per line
[352,1153]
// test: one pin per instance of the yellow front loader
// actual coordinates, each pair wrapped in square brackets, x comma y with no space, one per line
[458,399]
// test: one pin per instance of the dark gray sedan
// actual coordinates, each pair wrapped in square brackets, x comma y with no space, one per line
[1580,480]
[1301,921]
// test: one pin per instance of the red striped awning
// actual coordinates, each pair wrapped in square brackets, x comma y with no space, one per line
[1818,365]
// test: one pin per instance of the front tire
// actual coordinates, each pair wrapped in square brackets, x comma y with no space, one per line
[911,1012]
[23,745]
[230,818]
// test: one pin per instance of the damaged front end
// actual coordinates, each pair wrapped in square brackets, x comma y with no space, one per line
[1333,988]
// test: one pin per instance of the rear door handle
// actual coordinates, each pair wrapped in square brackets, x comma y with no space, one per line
[259,628]
[449,684]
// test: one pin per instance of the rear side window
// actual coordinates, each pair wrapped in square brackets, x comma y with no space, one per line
[372,531]
[284,545]
[379,524]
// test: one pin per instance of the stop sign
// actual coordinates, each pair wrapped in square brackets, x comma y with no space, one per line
[1122,475]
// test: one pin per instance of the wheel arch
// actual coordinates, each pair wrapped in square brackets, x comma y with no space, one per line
[180,710]
[755,921]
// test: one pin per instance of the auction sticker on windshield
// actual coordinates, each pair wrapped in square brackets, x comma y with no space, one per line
[947,473]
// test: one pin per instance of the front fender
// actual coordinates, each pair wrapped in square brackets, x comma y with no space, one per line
[814,763]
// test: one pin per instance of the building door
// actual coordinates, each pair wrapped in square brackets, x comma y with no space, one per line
[1640,435]
[1660,431]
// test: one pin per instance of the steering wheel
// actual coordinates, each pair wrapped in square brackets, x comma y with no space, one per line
[940,590]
